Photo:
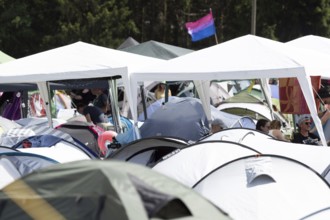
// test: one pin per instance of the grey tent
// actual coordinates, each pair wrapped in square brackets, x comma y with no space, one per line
[14,165]
[55,148]
[147,151]
[102,190]
[84,133]
[130,41]
[157,50]
[15,135]
[181,118]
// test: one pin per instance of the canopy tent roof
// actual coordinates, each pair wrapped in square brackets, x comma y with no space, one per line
[157,50]
[313,42]
[5,58]
[130,41]
[246,57]
[74,61]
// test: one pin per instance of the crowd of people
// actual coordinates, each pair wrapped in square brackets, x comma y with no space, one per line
[95,106]
[306,131]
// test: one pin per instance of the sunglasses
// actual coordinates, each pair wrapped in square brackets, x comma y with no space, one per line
[308,123]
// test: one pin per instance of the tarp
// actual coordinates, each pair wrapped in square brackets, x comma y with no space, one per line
[247,57]
[180,117]
[229,120]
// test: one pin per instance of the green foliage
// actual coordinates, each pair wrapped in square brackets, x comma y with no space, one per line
[28,27]
[32,26]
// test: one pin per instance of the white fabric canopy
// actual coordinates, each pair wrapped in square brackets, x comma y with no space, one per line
[319,52]
[247,57]
[75,61]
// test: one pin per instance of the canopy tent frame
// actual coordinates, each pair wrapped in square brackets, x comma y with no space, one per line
[247,57]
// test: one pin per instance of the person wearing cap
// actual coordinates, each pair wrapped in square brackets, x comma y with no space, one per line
[217,125]
[304,136]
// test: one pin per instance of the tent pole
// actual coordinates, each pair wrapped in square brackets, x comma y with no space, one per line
[143,99]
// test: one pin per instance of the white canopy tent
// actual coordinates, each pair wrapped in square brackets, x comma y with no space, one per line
[247,57]
[75,61]
[312,42]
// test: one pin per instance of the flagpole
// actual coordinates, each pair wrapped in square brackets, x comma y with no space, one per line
[215,33]
[253,17]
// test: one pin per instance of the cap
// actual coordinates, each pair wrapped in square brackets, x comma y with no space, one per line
[324,92]
[303,118]
[219,122]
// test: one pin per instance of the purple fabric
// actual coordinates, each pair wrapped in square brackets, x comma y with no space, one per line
[12,110]
[201,28]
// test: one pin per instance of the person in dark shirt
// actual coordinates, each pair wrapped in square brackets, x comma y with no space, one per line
[304,136]
[81,96]
[101,100]
[92,114]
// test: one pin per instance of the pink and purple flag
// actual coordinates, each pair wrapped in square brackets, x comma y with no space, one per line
[201,28]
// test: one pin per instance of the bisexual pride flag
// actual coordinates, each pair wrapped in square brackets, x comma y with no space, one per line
[201,28]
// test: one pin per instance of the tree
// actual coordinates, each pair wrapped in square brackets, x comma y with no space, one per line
[29,27]
[32,26]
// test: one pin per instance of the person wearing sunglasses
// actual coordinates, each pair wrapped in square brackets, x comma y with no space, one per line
[304,136]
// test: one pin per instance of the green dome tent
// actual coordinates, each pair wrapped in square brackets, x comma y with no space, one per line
[102,190]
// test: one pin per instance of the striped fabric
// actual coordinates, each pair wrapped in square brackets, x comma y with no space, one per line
[15,135]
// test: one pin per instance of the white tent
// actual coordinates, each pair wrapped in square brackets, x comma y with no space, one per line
[247,57]
[313,156]
[265,187]
[312,42]
[191,164]
[62,152]
[74,61]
